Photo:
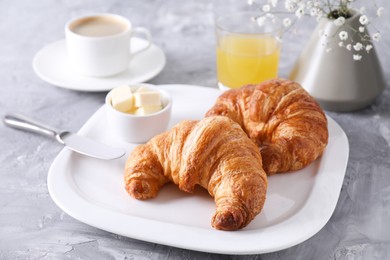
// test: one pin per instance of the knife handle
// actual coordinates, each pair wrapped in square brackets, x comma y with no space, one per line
[22,122]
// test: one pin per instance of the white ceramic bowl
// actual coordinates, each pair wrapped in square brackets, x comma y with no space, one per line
[135,128]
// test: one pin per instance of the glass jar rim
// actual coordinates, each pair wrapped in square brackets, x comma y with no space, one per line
[251,17]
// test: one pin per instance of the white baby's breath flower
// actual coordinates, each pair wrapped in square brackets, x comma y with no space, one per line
[358,46]
[368,47]
[376,37]
[313,11]
[363,19]
[266,8]
[339,21]
[273,2]
[251,2]
[286,22]
[290,6]
[379,12]
[348,47]
[328,50]
[301,4]
[357,57]
[343,35]
[361,29]
[299,12]
[260,20]
[323,33]
[341,44]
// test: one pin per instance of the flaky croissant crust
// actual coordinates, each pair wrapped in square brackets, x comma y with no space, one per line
[214,153]
[286,123]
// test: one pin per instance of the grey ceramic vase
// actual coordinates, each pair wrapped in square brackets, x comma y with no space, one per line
[334,78]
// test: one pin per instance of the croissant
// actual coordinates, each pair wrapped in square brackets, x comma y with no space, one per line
[286,123]
[214,153]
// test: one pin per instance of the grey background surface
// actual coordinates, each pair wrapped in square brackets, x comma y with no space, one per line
[33,227]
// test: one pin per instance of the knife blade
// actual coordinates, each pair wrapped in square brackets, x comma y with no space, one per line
[74,142]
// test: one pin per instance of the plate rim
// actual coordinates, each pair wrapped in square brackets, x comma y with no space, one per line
[230,238]
[75,86]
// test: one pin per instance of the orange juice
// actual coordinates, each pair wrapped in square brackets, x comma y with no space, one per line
[248,59]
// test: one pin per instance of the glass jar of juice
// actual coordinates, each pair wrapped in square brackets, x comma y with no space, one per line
[247,53]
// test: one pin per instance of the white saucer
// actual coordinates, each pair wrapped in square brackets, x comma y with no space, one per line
[51,65]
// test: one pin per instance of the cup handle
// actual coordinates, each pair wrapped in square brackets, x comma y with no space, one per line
[148,36]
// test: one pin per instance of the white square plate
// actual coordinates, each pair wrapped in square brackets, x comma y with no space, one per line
[298,204]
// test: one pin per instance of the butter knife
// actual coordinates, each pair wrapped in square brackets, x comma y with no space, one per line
[74,142]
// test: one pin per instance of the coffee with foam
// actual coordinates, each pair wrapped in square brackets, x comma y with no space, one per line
[98,26]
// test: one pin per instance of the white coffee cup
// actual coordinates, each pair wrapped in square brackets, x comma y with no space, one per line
[98,45]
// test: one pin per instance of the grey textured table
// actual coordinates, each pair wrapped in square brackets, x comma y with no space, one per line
[33,227]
